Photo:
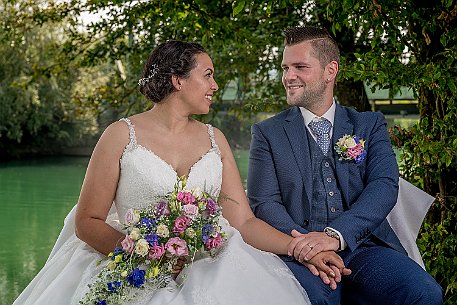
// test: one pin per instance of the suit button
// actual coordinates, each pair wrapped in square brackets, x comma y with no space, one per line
[329,180]
[331,194]
[332,209]
[306,223]
[326,164]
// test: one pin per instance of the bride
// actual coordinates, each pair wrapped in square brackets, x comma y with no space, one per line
[139,158]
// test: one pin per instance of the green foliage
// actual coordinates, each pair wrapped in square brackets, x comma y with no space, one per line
[386,43]
[35,116]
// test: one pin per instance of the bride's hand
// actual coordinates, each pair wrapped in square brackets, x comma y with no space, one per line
[328,266]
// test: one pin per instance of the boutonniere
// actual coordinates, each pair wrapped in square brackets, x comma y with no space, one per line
[351,148]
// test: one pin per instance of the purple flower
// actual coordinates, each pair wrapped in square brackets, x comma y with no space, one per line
[211,206]
[136,277]
[162,209]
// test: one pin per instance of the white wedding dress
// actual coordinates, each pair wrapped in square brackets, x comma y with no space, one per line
[240,274]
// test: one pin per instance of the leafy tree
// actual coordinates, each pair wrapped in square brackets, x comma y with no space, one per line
[409,43]
[35,115]
[388,43]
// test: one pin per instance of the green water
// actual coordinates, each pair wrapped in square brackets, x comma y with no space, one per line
[35,196]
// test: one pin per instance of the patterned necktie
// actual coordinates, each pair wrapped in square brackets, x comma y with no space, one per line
[321,130]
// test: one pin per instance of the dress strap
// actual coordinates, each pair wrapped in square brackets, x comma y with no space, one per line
[212,138]
[132,135]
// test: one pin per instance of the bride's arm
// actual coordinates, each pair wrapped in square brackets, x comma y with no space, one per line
[99,189]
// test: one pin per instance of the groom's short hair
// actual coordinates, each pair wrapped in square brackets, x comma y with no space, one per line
[325,47]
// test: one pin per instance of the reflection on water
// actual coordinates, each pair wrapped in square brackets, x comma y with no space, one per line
[35,196]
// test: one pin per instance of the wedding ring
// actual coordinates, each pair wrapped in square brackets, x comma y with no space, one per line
[311,247]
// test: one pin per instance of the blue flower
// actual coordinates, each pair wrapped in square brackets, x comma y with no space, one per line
[361,157]
[147,222]
[206,232]
[136,277]
[118,250]
[152,239]
[113,286]
[100,302]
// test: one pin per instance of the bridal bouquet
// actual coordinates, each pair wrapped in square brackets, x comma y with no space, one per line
[175,227]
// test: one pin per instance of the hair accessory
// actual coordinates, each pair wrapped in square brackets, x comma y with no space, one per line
[152,72]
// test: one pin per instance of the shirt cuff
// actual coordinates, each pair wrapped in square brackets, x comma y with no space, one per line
[343,244]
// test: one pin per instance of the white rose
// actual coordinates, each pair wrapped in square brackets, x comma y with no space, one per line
[131,217]
[350,143]
[135,234]
[142,247]
[124,273]
[162,231]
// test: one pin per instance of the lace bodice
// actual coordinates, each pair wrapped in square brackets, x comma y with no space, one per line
[144,175]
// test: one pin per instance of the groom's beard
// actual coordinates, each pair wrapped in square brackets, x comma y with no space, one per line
[310,97]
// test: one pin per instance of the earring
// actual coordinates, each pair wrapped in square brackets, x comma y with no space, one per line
[179,88]
[328,79]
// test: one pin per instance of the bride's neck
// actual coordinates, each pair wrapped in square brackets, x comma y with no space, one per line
[169,117]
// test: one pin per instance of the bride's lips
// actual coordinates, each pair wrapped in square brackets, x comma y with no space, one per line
[209,98]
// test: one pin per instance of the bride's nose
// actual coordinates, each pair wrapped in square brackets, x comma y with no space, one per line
[214,86]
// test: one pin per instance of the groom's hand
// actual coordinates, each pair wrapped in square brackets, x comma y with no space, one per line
[305,246]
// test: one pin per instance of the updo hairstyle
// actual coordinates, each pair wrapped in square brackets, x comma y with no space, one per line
[169,58]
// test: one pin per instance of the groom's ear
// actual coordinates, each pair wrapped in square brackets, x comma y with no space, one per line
[331,70]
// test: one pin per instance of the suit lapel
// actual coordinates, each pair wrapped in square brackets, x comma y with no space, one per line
[294,127]
[342,126]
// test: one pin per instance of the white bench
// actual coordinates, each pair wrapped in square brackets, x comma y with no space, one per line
[407,216]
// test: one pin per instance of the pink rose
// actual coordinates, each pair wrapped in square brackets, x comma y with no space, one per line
[214,242]
[177,246]
[185,197]
[128,244]
[181,224]
[190,210]
[156,252]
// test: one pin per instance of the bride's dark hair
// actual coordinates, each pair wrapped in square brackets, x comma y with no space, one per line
[173,57]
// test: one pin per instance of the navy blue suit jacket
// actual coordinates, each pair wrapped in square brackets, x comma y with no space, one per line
[280,176]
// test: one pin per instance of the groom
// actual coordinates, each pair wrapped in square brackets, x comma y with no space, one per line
[327,175]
